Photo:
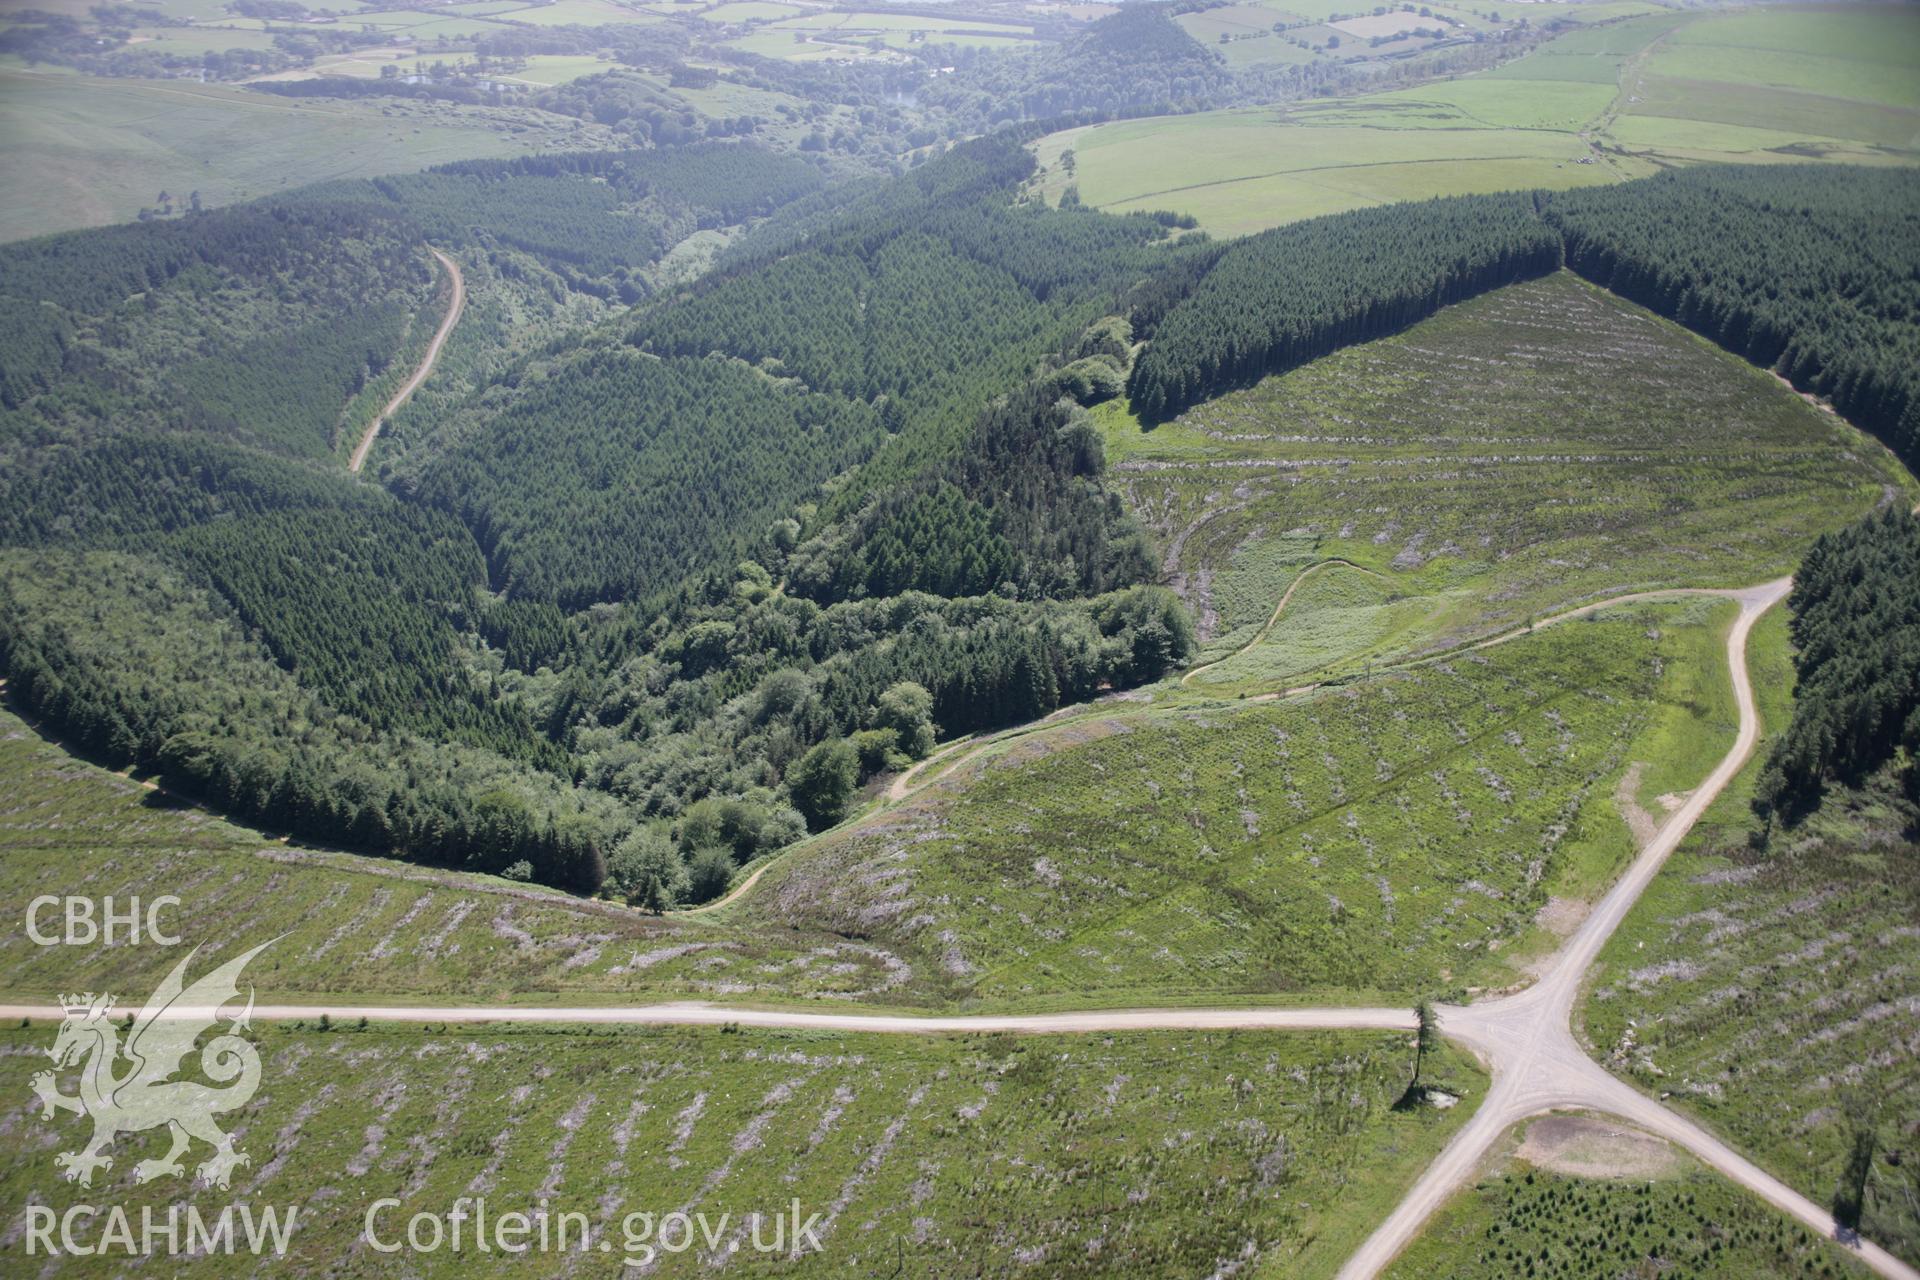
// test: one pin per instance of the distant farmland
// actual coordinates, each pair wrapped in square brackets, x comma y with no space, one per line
[1601,104]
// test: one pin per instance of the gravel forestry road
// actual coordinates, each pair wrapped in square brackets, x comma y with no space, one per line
[1525,1039]
[419,375]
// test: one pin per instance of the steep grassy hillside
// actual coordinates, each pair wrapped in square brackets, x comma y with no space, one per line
[1517,453]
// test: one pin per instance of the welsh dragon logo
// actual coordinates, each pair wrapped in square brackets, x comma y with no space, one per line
[142,1095]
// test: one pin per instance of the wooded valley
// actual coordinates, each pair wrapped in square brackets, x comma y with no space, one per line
[688,557]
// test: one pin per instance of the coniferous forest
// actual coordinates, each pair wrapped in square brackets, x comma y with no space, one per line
[747,542]
[1856,637]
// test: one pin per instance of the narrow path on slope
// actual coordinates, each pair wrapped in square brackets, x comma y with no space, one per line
[1278,609]
[732,894]
[903,786]
[419,375]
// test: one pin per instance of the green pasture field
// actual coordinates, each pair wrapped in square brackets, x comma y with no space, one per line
[1390,23]
[1765,991]
[585,13]
[1703,142]
[559,68]
[800,45]
[1538,12]
[1158,1154]
[427,24]
[1399,834]
[964,39]
[1554,106]
[845,20]
[1627,93]
[1505,10]
[485,8]
[1866,54]
[198,10]
[1268,50]
[1208,25]
[1517,454]
[197,40]
[1816,118]
[1826,82]
[84,151]
[1244,170]
[749,11]
[363,64]
[841,33]
[1658,1213]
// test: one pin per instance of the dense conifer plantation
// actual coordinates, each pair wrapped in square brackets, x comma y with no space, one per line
[618,475]
[1856,638]
[254,324]
[641,578]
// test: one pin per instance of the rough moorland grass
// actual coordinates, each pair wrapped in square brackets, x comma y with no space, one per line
[1396,835]
[1765,990]
[353,927]
[81,151]
[1136,1155]
[1516,454]
[1525,1221]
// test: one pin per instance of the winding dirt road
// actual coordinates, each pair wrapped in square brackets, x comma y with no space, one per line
[1525,1039]
[419,375]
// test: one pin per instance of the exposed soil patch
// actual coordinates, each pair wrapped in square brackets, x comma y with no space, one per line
[1626,798]
[1584,1147]
[1561,916]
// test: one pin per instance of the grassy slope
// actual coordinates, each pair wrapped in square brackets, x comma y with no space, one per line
[356,928]
[1636,95]
[1365,842]
[1762,991]
[1514,455]
[1683,1221]
[83,151]
[1187,848]
[1063,1156]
